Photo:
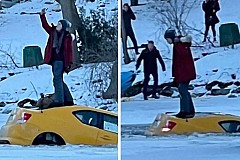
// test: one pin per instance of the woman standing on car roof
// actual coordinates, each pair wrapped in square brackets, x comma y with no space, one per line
[58,54]
[183,70]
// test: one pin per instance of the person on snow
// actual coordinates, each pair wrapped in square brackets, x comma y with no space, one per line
[128,16]
[183,71]
[58,54]
[210,7]
[149,57]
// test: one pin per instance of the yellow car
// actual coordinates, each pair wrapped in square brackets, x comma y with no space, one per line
[59,126]
[168,123]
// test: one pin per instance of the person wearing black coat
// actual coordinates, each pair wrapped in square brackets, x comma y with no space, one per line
[210,7]
[128,16]
[149,57]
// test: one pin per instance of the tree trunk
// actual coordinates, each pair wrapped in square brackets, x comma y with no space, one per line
[112,91]
[69,11]
[124,41]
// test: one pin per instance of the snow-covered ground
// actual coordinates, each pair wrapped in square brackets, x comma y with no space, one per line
[18,31]
[136,111]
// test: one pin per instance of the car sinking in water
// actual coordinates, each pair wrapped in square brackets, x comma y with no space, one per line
[202,122]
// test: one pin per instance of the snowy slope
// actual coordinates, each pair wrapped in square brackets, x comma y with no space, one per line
[18,31]
[226,60]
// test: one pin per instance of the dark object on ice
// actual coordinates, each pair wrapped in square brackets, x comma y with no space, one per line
[215,70]
[232,96]
[236,90]
[221,85]
[29,13]
[2,104]
[217,92]
[3,78]
[163,89]
[8,3]
[11,74]
[233,76]
[49,3]
[210,85]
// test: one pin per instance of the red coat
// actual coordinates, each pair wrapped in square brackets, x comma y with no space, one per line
[67,42]
[183,69]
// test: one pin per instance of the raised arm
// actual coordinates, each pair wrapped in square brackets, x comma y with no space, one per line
[44,22]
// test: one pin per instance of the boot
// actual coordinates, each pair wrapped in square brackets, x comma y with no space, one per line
[155,96]
[185,115]
[145,97]
[204,40]
[214,39]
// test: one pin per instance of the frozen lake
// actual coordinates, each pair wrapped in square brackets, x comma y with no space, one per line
[68,152]
[196,146]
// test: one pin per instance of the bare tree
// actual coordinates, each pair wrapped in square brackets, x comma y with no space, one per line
[174,13]
[101,73]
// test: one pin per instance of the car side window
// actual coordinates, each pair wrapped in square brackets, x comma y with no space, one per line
[230,126]
[110,123]
[87,117]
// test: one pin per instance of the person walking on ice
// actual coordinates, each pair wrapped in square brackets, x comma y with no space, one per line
[149,57]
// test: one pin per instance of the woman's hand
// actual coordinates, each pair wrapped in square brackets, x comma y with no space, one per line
[43,11]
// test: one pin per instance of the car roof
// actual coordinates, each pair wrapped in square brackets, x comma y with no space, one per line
[75,108]
[204,114]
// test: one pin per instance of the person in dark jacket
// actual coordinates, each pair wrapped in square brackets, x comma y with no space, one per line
[128,16]
[58,54]
[149,57]
[183,71]
[210,7]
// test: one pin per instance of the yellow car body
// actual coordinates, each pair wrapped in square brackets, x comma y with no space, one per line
[201,123]
[60,125]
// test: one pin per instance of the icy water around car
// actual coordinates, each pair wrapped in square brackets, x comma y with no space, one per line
[67,152]
[178,147]
[138,115]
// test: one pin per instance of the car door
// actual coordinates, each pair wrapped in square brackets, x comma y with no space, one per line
[87,130]
[108,133]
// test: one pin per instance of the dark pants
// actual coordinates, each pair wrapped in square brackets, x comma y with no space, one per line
[147,79]
[186,103]
[134,41]
[207,26]
[61,91]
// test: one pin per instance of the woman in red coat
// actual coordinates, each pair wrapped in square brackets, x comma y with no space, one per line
[183,71]
[58,54]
